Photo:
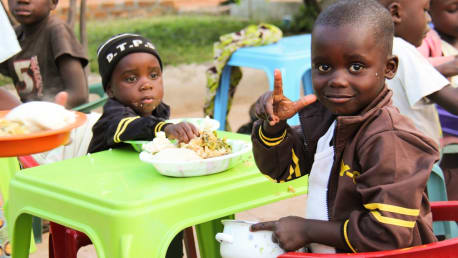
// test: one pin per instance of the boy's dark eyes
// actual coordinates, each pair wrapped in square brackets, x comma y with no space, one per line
[356,67]
[452,9]
[131,78]
[322,67]
[154,75]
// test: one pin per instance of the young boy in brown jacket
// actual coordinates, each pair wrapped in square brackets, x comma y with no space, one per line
[367,164]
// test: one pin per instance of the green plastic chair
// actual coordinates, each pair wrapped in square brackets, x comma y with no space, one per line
[96,88]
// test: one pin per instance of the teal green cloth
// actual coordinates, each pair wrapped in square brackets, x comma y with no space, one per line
[253,35]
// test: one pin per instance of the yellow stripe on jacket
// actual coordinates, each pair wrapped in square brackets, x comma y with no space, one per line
[122,125]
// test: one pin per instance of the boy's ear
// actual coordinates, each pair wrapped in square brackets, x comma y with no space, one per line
[391,67]
[53,5]
[395,10]
[109,90]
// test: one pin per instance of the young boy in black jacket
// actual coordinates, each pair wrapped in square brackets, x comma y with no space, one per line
[131,71]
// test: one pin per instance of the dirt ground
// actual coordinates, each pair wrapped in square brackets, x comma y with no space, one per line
[185,87]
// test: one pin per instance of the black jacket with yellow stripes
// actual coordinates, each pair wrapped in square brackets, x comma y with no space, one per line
[120,123]
[376,189]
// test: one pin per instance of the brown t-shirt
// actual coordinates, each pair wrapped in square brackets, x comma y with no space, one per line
[34,70]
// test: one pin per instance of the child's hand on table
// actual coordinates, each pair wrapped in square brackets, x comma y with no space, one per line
[183,131]
[274,107]
[289,232]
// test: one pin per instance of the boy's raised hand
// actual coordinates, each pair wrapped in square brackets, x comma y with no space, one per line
[275,107]
[183,131]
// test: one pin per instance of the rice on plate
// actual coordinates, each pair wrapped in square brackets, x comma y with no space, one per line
[203,155]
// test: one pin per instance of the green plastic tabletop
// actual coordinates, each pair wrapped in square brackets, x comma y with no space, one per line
[126,207]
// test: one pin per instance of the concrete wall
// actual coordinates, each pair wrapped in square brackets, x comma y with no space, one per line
[266,9]
[101,9]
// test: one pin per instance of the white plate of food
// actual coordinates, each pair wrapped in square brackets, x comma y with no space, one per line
[186,162]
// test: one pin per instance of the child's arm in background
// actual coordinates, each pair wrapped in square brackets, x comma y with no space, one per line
[8,100]
[447,98]
[431,49]
[74,78]
[450,68]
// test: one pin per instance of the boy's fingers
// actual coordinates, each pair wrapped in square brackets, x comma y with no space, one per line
[304,101]
[268,225]
[278,85]
[61,98]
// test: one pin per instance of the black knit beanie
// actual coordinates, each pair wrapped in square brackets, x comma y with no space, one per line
[117,47]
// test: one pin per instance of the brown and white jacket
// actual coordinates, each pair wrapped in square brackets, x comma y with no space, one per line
[378,178]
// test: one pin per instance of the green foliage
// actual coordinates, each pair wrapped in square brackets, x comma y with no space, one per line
[179,39]
[5,80]
[227,2]
[303,21]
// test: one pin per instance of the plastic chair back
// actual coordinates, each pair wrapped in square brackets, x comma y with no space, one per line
[93,89]
[438,192]
[442,211]
[307,84]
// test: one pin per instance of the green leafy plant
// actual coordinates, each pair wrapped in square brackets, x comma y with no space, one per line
[303,21]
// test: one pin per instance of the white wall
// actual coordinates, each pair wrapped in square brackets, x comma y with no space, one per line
[265,9]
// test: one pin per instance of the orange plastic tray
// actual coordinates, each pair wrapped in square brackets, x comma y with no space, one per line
[26,144]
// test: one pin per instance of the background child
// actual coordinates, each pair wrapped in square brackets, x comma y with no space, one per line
[443,53]
[364,195]
[417,86]
[131,71]
[51,59]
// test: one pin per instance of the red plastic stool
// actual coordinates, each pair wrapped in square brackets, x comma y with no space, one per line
[64,242]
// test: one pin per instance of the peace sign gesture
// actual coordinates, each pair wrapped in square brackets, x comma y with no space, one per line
[275,107]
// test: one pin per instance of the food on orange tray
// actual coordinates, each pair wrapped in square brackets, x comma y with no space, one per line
[8,128]
[35,116]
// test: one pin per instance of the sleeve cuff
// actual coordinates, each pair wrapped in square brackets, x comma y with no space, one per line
[160,127]
[270,141]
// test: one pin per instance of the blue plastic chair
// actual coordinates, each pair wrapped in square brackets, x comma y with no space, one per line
[290,54]
[307,84]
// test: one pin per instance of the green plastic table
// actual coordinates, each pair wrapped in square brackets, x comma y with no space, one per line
[128,209]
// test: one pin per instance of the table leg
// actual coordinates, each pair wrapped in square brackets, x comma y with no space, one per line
[21,236]
[208,246]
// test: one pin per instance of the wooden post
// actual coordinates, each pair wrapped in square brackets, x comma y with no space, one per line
[71,14]
[83,32]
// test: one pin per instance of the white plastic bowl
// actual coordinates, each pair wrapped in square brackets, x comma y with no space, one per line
[237,241]
[241,150]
